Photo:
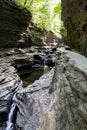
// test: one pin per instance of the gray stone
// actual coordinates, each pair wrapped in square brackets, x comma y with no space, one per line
[35,105]
[58,100]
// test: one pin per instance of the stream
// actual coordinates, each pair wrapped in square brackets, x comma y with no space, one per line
[29,70]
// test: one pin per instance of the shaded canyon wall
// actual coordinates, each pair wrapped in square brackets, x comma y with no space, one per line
[13,21]
[17,28]
[74,16]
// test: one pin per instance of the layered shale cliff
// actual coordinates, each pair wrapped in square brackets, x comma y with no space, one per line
[16,28]
[13,21]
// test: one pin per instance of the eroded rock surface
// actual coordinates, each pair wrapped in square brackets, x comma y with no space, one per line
[36,108]
[14,62]
[9,82]
[58,101]
[70,86]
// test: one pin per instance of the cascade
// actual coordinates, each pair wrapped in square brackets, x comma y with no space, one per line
[11,117]
[45,66]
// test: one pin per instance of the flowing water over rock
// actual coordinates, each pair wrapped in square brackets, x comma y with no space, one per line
[12,113]
[15,63]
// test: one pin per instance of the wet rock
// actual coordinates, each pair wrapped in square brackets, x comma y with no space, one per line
[54,49]
[50,63]
[58,100]
[38,63]
[36,109]
[9,82]
[24,60]
[23,65]
[3,112]
[37,57]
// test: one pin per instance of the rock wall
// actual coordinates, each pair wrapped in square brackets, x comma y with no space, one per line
[9,82]
[70,86]
[16,27]
[13,21]
[74,16]
[36,107]
[58,100]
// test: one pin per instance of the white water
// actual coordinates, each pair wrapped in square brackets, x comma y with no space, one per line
[45,66]
[10,124]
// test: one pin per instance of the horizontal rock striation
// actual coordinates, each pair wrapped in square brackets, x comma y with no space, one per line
[16,27]
[14,62]
[58,100]
[13,22]
[9,82]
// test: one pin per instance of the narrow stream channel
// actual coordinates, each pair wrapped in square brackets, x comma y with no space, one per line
[12,117]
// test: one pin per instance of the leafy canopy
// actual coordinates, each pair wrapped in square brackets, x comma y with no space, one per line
[46,13]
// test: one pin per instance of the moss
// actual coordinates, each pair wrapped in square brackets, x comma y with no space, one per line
[75,50]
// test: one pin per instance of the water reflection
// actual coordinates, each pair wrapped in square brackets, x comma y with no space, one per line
[35,75]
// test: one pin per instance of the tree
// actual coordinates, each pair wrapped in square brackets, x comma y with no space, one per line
[46,13]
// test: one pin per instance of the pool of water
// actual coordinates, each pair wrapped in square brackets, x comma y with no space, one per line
[35,75]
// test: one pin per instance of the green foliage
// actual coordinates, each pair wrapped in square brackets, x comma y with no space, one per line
[63,31]
[46,14]
[57,8]
[43,10]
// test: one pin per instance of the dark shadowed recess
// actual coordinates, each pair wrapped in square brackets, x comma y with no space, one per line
[13,21]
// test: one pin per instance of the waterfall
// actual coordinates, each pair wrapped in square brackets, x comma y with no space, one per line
[10,122]
[45,66]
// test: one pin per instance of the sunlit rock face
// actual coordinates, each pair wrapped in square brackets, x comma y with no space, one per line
[74,16]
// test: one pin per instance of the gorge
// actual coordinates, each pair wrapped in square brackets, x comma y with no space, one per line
[57,99]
